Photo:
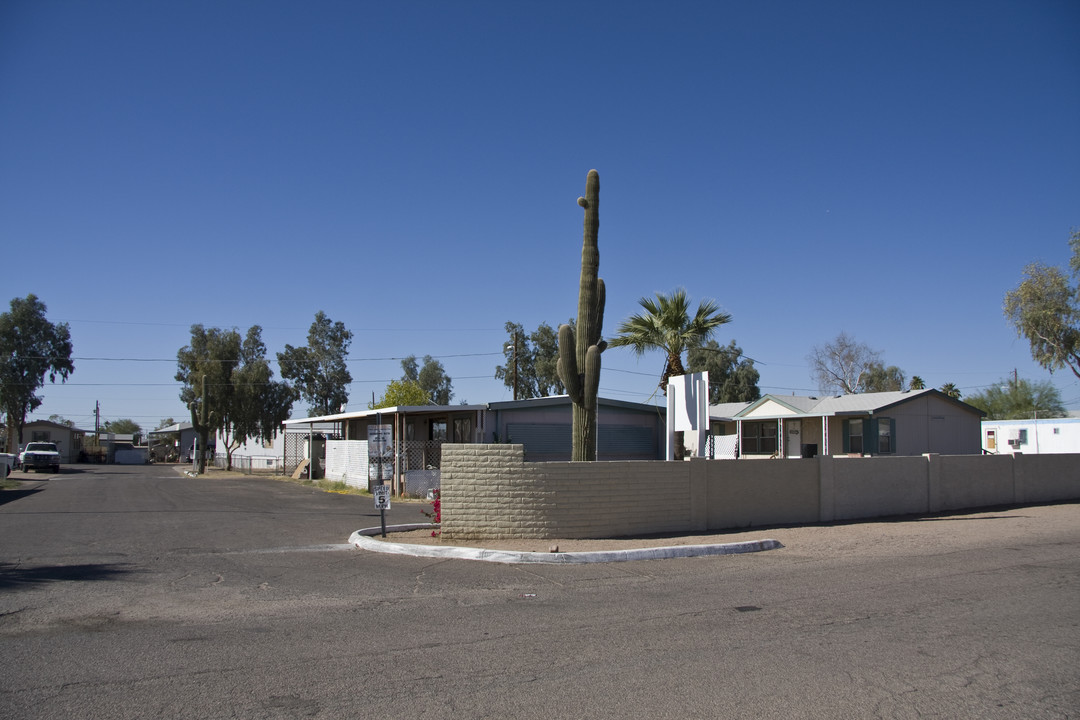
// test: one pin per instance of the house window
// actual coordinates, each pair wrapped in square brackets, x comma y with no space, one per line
[759,438]
[855,437]
[438,430]
[39,436]
[462,430]
[885,436]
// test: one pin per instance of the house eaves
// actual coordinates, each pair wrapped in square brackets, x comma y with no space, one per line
[399,409]
[796,406]
[561,400]
[548,401]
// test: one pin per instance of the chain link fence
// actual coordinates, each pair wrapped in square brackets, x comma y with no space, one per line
[252,465]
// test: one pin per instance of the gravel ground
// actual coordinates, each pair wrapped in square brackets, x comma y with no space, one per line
[892,535]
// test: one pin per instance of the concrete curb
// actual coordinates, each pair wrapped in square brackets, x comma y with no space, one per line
[362,539]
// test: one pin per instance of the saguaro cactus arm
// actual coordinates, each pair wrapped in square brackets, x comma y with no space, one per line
[567,363]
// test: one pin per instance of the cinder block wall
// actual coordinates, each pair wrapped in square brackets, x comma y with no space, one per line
[489,491]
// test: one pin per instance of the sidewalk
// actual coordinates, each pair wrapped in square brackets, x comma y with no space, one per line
[888,536]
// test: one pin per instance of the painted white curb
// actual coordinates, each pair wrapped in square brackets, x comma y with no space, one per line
[362,539]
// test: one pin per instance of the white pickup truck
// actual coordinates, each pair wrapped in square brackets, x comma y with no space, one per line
[40,455]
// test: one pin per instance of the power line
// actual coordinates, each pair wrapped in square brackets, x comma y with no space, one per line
[237,360]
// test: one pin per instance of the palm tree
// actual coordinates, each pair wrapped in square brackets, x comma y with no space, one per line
[917,383]
[950,390]
[667,325]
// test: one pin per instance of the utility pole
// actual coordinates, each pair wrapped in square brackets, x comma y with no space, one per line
[515,368]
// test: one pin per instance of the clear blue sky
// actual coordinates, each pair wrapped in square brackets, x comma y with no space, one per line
[412,169]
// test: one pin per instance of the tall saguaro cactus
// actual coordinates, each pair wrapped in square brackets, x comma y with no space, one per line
[579,351]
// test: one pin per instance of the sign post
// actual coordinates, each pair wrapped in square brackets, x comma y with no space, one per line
[380,450]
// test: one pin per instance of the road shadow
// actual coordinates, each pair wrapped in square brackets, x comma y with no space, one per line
[14,576]
[7,496]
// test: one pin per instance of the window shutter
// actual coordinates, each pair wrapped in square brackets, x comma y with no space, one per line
[871,443]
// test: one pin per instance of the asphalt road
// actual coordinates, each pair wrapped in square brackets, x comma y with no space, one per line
[141,593]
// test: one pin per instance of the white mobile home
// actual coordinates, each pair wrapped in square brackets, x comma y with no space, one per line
[1031,437]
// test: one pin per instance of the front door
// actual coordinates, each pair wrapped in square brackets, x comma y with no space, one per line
[793,441]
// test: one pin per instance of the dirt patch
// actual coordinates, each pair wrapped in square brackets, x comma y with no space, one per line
[888,536]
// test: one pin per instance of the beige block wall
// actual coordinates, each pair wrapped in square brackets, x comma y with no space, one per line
[967,481]
[1044,478]
[489,491]
[745,494]
[876,486]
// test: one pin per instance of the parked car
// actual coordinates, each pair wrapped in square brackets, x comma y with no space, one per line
[38,455]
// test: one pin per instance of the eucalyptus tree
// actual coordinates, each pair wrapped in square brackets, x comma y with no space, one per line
[259,404]
[1045,309]
[204,367]
[318,370]
[732,375]
[31,349]
[532,361]
[431,376]
[229,388]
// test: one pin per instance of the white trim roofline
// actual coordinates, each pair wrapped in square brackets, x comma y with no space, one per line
[839,405]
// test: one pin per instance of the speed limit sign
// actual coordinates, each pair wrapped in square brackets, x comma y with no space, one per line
[382,497]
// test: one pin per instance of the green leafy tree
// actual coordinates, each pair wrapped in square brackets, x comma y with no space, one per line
[31,349]
[545,360]
[258,404]
[917,383]
[205,367]
[318,370]
[732,377]
[401,393]
[532,361]
[124,426]
[1045,309]
[668,325]
[1018,400]
[61,420]
[164,445]
[883,379]
[431,377]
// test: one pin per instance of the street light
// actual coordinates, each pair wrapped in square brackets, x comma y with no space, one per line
[514,348]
